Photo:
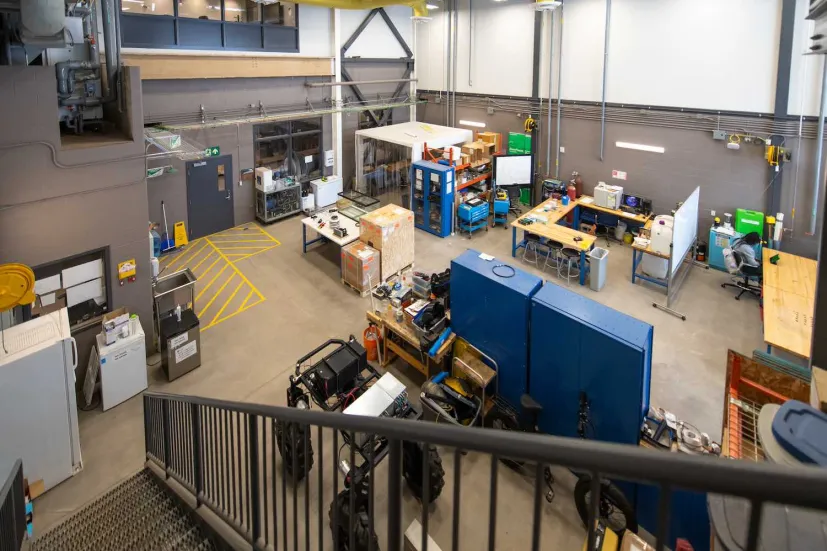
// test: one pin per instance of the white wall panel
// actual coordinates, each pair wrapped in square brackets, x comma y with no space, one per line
[583,32]
[377,40]
[430,52]
[314,31]
[805,70]
[707,54]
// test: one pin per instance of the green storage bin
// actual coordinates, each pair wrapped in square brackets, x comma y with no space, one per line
[747,221]
[519,143]
[525,196]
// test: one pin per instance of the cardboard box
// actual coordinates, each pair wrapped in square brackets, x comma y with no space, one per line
[488,150]
[360,266]
[492,138]
[389,230]
[633,542]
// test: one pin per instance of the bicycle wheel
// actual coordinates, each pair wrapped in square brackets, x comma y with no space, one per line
[615,510]
[501,419]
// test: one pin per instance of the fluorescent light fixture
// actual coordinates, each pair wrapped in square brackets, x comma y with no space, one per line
[134,1]
[640,147]
[431,6]
[472,123]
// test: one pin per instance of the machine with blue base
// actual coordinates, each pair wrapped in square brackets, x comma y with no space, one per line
[432,197]
[501,207]
[473,216]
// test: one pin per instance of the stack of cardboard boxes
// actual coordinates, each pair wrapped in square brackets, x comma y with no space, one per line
[480,151]
[385,246]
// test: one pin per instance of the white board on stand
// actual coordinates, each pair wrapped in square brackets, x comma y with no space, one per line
[685,229]
[512,170]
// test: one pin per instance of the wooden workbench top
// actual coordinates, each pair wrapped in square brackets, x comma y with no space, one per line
[551,230]
[406,332]
[587,201]
[789,301]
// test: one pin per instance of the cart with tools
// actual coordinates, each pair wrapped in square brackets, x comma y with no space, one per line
[343,381]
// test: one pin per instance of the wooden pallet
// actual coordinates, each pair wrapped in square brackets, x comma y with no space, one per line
[396,273]
[362,294]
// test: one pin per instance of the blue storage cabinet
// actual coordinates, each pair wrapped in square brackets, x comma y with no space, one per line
[491,312]
[432,197]
[577,345]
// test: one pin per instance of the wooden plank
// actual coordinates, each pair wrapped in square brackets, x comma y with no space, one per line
[788,321]
[792,274]
[169,67]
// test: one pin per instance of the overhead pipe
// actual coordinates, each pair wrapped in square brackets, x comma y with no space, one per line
[819,148]
[110,43]
[470,41]
[455,71]
[356,82]
[605,70]
[550,81]
[559,92]
[449,20]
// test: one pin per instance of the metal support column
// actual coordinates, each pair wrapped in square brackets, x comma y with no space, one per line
[782,95]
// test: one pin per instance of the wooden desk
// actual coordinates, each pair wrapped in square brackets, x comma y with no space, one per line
[550,229]
[390,349]
[636,218]
[789,302]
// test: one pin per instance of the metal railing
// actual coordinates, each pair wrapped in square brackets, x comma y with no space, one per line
[13,510]
[226,454]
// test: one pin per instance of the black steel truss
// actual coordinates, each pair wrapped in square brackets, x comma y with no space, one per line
[381,116]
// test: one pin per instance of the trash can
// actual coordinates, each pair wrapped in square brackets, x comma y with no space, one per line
[598,259]
[620,229]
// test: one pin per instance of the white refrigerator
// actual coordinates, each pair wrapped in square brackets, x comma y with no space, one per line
[38,410]
[122,366]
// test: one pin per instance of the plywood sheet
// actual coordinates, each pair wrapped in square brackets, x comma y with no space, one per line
[792,274]
[169,67]
[788,320]
[390,230]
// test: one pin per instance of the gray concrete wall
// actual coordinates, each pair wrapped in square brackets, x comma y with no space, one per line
[728,179]
[78,200]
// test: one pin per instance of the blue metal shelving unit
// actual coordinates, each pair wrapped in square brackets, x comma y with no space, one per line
[432,197]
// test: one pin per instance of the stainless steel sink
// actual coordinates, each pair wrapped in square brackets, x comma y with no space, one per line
[170,283]
[177,288]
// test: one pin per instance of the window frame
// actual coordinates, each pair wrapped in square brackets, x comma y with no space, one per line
[289,138]
[141,30]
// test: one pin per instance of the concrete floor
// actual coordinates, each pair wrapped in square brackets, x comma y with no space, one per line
[249,358]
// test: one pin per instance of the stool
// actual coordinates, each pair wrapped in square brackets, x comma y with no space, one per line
[553,255]
[533,244]
[569,259]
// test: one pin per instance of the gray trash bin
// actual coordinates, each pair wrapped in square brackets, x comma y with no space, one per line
[598,259]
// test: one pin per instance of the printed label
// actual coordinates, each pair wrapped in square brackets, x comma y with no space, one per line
[178,341]
[185,352]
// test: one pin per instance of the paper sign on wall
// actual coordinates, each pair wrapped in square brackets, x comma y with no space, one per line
[618,174]
[328,157]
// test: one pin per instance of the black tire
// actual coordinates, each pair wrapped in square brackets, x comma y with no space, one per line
[501,419]
[412,467]
[340,527]
[615,510]
[291,438]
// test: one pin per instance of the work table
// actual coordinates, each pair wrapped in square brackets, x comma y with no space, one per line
[789,301]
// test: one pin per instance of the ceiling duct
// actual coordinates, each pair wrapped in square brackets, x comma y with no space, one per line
[42,22]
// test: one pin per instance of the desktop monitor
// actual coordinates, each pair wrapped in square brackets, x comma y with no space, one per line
[632,201]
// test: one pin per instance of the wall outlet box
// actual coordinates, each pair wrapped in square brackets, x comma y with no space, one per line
[718,135]
[490,110]
[437,99]
[562,149]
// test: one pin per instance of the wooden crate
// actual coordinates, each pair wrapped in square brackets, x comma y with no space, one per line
[390,230]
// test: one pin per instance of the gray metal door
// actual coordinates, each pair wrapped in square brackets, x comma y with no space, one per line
[210,195]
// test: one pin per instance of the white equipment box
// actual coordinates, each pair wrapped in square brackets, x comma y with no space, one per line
[38,410]
[264,179]
[607,196]
[326,192]
[378,400]
[122,366]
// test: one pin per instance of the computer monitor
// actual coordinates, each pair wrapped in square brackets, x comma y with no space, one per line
[632,201]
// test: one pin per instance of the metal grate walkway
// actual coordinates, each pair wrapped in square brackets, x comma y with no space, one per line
[138,513]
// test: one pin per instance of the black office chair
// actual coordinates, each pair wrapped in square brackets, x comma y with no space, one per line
[742,278]
[514,201]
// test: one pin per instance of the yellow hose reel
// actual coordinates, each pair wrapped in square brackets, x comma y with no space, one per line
[16,286]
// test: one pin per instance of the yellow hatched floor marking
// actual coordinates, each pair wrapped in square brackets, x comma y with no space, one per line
[214,262]
[209,254]
[215,296]
[227,303]
[187,252]
[225,318]
[216,276]
[246,299]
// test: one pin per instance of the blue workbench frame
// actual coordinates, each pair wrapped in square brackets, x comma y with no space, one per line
[637,258]
[305,242]
[584,267]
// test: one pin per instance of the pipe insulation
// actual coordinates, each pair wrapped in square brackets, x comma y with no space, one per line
[605,70]
[42,19]
[550,83]
[818,180]
[559,93]
[110,44]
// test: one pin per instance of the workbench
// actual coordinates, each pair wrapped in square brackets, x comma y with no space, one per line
[587,202]
[326,232]
[551,230]
[789,302]
[389,327]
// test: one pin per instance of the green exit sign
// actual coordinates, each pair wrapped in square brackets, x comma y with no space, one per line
[212,151]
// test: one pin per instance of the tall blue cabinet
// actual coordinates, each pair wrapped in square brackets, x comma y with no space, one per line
[579,345]
[490,307]
[432,197]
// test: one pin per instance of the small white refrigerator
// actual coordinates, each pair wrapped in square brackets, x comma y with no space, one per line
[326,192]
[38,409]
[122,366]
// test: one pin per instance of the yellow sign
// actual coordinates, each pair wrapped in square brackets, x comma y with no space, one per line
[127,269]
[180,234]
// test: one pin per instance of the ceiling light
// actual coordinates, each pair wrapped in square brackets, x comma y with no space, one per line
[547,5]
[473,123]
[431,6]
[134,1]
[640,147]
[499,0]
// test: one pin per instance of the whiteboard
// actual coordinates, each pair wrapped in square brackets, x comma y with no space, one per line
[510,170]
[685,229]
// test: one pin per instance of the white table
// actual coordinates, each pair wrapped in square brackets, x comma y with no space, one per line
[326,232]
